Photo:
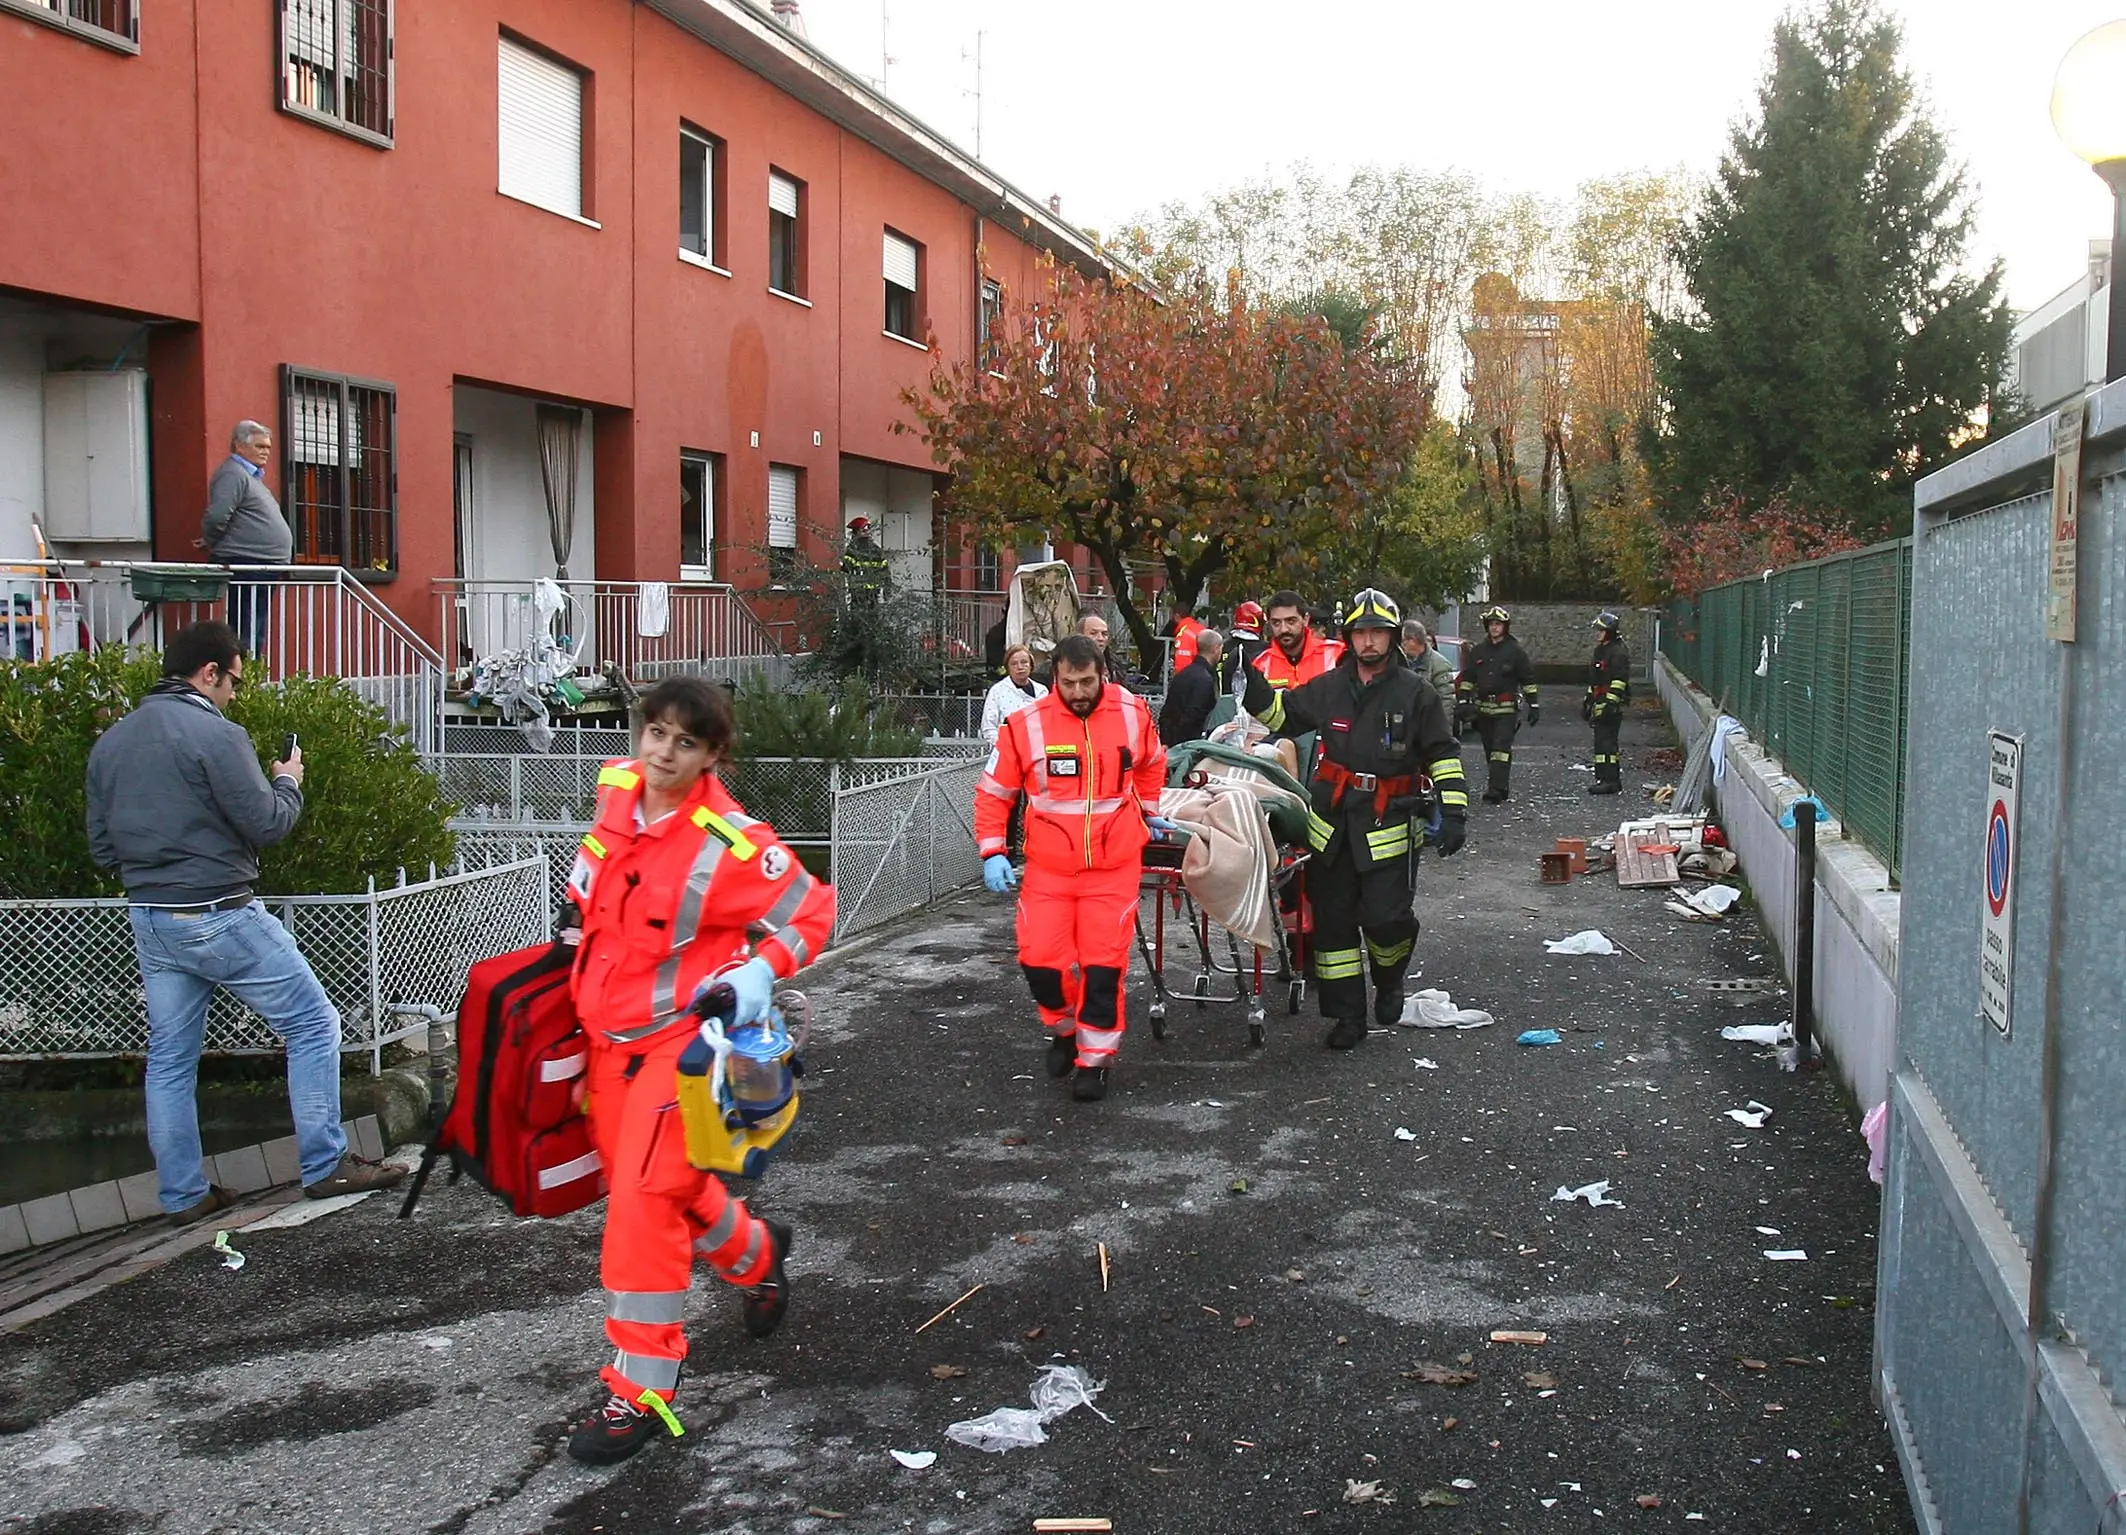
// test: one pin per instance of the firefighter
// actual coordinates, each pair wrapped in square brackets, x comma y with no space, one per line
[1383,731]
[1608,691]
[1496,678]
[1089,761]
[678,887]
[1243,643]
[864,567]
[1295,653]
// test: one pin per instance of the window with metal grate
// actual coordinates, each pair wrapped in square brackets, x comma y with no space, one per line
[336,64]
[339,470]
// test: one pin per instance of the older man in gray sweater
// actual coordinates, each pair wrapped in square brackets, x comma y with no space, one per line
[244,527]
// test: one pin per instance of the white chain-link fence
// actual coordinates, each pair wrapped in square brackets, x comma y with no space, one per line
[900,843]
[70,986]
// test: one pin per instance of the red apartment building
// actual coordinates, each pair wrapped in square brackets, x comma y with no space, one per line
[474,261]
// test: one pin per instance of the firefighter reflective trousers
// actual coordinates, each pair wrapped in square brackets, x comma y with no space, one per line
[1074,935]
[1497,731]
[661,1214]
[1348,901]
[1608,765]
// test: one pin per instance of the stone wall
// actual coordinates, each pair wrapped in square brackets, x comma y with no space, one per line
[1558,636]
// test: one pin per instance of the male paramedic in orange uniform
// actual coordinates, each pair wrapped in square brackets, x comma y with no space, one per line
[678,888]
[1089,761]
[1295,654]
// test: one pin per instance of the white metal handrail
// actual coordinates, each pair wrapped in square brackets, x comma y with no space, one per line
[700,623]
[314,620]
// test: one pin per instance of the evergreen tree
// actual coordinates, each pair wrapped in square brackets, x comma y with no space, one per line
[1839,346]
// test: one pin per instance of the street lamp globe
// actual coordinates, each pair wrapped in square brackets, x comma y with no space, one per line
[2089,99]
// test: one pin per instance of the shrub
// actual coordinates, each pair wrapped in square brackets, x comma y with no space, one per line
[840,724]
[370,809]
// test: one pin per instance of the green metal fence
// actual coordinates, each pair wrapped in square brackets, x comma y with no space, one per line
[1812,661]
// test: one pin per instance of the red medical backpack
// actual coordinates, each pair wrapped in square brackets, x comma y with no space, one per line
[514,1123]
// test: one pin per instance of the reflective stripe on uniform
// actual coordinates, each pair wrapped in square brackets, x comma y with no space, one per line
[1274,715]
[1449,783]
[741,846]
[1389,841]
[726,1226]
[648,1371]
[787,904]
[612,776]
[1319,831]
[1500,756]
[1387,956]
[1056,804]
[651,1306]
[664,991]
[989,785]
[1338,964]
[593,846]
[744,1264]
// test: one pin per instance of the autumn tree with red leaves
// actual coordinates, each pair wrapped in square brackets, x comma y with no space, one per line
[1185,428]
[1732,539]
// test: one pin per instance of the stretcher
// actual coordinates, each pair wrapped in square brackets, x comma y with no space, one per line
[1233,978]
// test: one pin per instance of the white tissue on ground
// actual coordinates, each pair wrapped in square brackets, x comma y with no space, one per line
[1760,1033]
[1435,1009]
[1587,941]
[1596,1195]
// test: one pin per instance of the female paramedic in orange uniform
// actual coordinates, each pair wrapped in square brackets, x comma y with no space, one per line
[677,887]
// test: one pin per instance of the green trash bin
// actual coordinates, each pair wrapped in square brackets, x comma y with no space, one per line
[152,585]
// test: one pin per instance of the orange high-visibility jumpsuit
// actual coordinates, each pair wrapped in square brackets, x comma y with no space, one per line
[665,907]
[1089,784]
[1316,656]
[1186,629]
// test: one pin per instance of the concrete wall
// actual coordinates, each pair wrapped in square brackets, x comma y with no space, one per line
[1559,636]
[1857,914]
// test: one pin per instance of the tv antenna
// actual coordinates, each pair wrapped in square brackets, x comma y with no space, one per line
[976,93]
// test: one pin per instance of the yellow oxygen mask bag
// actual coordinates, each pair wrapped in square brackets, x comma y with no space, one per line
[738,1086]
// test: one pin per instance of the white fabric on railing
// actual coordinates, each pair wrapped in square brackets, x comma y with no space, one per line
[653,610]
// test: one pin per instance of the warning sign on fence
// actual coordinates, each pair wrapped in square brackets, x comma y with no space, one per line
[1996,934]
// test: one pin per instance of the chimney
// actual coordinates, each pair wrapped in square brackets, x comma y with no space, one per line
[786,13]
[1055,204]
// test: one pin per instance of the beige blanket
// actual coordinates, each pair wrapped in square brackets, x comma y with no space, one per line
[1226,866]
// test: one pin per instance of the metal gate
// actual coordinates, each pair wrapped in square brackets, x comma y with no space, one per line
[2001,1328]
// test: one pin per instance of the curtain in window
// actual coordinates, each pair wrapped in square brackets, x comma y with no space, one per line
[560,427]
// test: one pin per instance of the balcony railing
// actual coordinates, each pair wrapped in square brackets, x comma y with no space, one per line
[314,620]
[648,629]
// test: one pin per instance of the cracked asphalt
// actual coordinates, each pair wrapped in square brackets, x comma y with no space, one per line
[1283,1265]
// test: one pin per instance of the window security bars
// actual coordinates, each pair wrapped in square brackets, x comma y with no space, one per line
[336,63]
[340,483]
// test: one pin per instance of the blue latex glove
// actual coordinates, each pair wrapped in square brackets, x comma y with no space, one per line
[998,874]
[1162,829]
[754,982]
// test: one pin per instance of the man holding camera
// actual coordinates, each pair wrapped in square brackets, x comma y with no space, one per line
[178,805]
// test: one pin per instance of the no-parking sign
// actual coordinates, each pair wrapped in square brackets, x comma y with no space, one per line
[1996,940]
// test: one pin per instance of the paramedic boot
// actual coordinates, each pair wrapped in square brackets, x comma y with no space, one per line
[1346,1034]
[1062,1054]
[760,1309]
[613,1433]
[1090,1084]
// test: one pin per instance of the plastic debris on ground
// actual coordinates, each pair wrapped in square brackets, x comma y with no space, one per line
[1424,1063]
[1539,1037]
[1596,1195]
[231,1259]
[1874,1128]
[1435,1009]
[1752,1115]
[1587,941]
[1787,1254]
[916,1460]
[1713,901]
[1402,1133]
[1760,1033]
[1058,1389]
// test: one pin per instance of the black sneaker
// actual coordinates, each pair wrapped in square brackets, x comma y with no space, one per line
[1607,788]
[218,1198]
[760,1309]
[1062,1054]
[355,1175]
[1345,1034]
[1388,1007]
[612,1433]
[1090,1084]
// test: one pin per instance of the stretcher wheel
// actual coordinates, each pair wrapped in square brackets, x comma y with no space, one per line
[1295,994]
[1256,1033]
[1158,1019]
[1203,988]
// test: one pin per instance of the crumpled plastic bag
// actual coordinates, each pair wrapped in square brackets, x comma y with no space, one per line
[1752,1116]
[1435,1009]
[1596,1195]
[1760,1033]
[1875,1126]
[1059,1388]
[1712,901]
[1586,941]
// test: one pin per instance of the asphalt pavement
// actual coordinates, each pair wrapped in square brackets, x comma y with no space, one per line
[1307,1255]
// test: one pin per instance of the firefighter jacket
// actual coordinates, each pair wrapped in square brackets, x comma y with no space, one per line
[1496,677]
[1089,783]
[864,566]
[1380,743]
[1316,656]
[667,906]
[1608,678]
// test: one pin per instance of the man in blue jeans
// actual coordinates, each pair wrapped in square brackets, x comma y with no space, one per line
[178,805]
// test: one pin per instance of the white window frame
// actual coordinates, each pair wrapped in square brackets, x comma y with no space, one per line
[903,271]
[705,510]
[712,154]
[539,111]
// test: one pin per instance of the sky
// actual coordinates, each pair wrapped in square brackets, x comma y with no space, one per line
[1119,106]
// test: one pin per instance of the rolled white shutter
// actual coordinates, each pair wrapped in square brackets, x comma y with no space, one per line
[782,507]
[900,261]
[540,129]
[782,194]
